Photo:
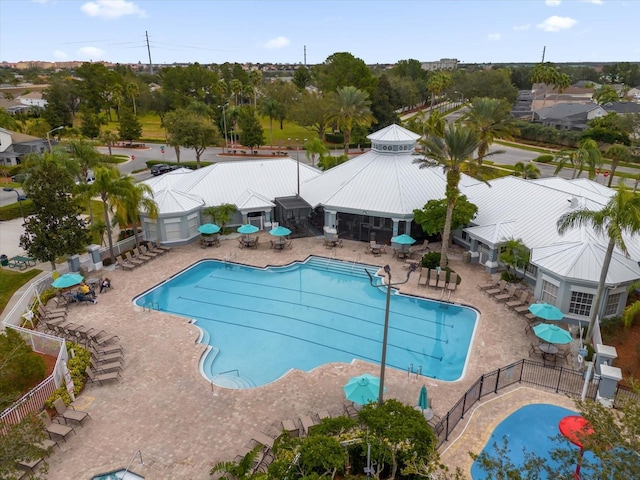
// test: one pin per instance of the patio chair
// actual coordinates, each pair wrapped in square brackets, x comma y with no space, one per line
[322,414]
[102,377]
[157,246]
[113,366]
[147,253]
[43,315]
[502,284]
[103,337]
[107,349]
[307,422]
[105,357]
[150,248]
[532,321]
[534,350]
[489,285]
[519,300]
[51,310]
[524,308]
[423,279]
[125,264]
[131,259]
[503,297]
[54,428]
[452,284]
[69,412]
[435,281]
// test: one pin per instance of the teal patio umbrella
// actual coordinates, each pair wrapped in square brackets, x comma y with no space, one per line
[552,333]
[423,400]
[209,228]
[248,229]
[280,231]
[362,389]
[67,280]
[403,239]
[546,311]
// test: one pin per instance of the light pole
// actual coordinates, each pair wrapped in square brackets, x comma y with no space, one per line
[383,360]
[49,138]
[298,162]
[9,189]
[224,123]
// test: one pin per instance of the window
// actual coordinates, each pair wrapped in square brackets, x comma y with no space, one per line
[532,270]
[193,224]
[613,301]
[549,292]
[581,303]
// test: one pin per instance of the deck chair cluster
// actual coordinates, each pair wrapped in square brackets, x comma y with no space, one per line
[447,281]
[138,256]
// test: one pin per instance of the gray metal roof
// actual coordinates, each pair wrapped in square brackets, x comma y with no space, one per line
[172,202]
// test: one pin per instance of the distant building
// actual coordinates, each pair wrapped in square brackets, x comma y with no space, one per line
[14,146]
[442,64]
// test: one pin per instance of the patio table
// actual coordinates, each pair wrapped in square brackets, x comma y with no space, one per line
[548,350]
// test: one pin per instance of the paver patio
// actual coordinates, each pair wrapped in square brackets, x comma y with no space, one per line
[182,425]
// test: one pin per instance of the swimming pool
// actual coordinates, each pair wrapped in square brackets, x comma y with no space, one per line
[260,323]
[530,427]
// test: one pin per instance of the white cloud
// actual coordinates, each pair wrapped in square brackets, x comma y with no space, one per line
[520,28]
[595,2]
[111,9]
[278,42]
[60,55]
[555,23]
[90,52]
[494,36]
[553,3]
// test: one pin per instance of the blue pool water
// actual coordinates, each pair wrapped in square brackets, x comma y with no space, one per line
[531,427]
[260,323]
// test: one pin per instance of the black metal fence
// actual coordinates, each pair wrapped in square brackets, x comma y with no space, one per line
[557,379]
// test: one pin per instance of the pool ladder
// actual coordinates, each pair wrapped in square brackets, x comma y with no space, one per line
[418,371]
[150,306]
[230,257]
[356,259]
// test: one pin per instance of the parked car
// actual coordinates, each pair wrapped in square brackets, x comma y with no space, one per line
[161,168]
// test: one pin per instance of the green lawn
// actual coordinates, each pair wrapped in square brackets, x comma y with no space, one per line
[11,281]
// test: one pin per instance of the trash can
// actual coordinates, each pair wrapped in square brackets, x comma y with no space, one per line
[4,260]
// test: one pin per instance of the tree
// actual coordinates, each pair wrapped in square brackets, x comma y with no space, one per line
[85,158]
[8,121]
[514,254]
[526,170]
[612,128]
[139,198]
[312,112]
[130,128]
[20,443]
[492,83]
[490,118]
[241,469]
[617,153]
[314,147]
[62,102]
[438,82]
[340,70]
[606,94]
[454,153]
[549,75]
[91,122]
[55,228]
[38,128]
[285,94]
[252,133]
[109,138]
[432,217]
[350,107]
[619,217]
[586,156]
[382,103]
[220,214]
[301,78]
[190,130]
[272,109]
[133,91]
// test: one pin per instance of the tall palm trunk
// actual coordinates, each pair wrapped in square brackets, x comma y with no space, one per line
[446,235]
[107,221]
[595,308]
[614,165]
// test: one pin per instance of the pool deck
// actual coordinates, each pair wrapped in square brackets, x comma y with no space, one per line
[183,425]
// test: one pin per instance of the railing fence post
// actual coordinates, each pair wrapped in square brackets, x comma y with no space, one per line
[497,380]
[559,380]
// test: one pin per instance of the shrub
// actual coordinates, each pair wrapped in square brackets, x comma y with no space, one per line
[543,159]
[337,137]
[76,365]
[431,259]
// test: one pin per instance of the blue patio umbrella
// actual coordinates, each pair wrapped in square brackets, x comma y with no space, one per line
[552,333]
[403,239]
[362,389]
[546,311]
[67,280]
[209,228]
[280,231]
[247,229]
[423,400]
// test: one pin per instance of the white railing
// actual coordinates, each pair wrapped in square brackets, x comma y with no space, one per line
[33,401]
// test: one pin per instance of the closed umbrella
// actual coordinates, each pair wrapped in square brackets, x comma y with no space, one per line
[423,399]
[552,333]
[209,228]
[546,311]
[280,231]
[67,280]
[247,229]
[362,389]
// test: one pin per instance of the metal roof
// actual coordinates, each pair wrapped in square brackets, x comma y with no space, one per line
[250,200]
[583,261]
[171,202]
[394,134]
[381,184]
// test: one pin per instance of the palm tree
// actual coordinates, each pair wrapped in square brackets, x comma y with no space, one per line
[620,216]
[617,153]
[139,198]
[314,147]
[133,91]
[454,153]
[633,309]
[490,118]
[349,108]
[241,469]
[114,191]
[586,156]
[272,109]
[438,83]
[109,138]
[548,74]
[526,170]
[87,158]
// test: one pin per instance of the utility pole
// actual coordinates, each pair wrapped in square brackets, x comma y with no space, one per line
[305,56]
[149,51]
[543,50]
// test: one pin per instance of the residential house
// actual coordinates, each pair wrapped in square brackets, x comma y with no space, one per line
[33,99]
[569,116]
[546,95]
[14,146]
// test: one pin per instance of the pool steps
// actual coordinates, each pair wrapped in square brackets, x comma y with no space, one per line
[352,269]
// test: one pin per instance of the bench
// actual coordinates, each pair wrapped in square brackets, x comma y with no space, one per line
[21,262]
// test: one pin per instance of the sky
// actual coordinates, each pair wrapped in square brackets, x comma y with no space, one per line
[217,31]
